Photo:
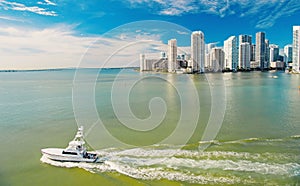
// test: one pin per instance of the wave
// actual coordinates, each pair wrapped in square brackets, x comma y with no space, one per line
[250,140]
[296,136]
[215,167]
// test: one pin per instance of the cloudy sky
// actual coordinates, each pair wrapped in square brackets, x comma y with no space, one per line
[69,33]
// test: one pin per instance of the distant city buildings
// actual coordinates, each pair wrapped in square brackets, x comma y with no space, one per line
[153,64]
[274,53]
[235,55]
[296,48]
[275,59]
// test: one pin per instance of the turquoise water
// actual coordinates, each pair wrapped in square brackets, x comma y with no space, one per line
[257,144]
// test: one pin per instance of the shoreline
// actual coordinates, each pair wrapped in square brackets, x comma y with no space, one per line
[62,69]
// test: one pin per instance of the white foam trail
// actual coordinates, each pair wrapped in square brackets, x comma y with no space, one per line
[241,165]
[295,136]
[166,153]
[159,173]
[187,166]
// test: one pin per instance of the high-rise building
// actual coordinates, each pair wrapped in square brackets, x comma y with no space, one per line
[172,55]
[244,56]
[197,51]
[245,39]
[296,48]
[231,53]
[260,51]
[252,53]
[267,62]
[208,48]
[142,62]
[217,57]
[288,54]
[274,53]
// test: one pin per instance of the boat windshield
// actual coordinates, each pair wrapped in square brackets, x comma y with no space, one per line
[69,153]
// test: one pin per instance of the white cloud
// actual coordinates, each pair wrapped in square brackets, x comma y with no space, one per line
[47,2]
[179,7]
[35,49]
[21,7]
[264,12]
[59,47]
[279,9]
[11,19]
[182,32]
[50,3]
[168,7]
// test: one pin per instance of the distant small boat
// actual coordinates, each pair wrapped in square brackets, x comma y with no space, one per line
[275,77]
[75,152]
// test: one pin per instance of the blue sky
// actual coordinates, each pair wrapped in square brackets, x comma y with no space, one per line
[53,34]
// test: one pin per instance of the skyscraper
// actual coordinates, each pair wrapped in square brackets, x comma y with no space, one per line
[260,50]
[296,48]
[288,54]
[197,51]
[274,53]
[208,48]
[245,39]
[267,58]
[142,62]
[252,53]
[217,59]
[231,53]
[172,55]
[244,56]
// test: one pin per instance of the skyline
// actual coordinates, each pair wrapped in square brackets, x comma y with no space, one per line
[54,34]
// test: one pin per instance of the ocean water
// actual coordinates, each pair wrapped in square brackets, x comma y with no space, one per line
[150,127]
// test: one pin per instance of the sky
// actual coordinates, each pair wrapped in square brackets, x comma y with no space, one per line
[39,34]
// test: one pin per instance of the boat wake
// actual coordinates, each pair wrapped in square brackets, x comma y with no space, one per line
[192,166]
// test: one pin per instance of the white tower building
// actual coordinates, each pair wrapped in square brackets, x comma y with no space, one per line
[172,55]
[244,56]
[197,51]
[231,53]
[296,48]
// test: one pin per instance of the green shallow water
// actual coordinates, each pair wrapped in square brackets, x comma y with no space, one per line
[258,142]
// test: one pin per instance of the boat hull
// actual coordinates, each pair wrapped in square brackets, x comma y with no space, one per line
[56,154]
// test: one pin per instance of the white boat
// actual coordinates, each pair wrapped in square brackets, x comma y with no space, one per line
[75,152]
